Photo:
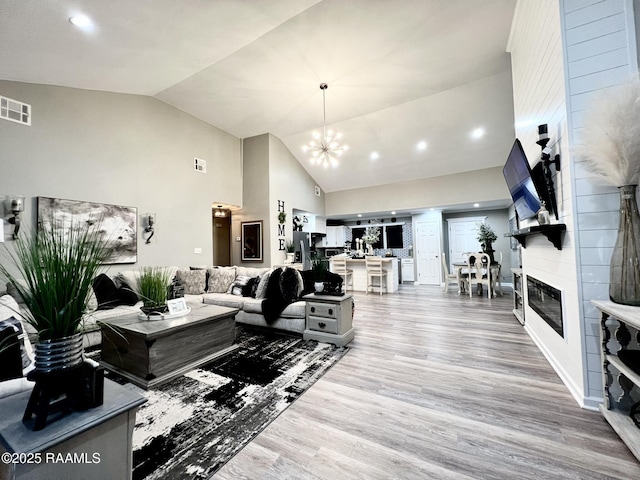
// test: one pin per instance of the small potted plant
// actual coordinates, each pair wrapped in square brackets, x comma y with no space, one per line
[289,248]
[319,269]
[153,284]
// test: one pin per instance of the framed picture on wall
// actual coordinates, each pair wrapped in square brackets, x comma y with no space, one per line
[251,239]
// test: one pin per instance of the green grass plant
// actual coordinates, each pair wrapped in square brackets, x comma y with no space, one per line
[53,272]
[152,286]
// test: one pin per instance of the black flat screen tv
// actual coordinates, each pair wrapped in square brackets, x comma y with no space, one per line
[517,174]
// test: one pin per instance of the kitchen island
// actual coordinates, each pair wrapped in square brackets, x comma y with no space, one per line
[390,265]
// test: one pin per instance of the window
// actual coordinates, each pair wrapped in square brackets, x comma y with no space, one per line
[393,235]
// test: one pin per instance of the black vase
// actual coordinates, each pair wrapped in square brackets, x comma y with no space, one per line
[488,249]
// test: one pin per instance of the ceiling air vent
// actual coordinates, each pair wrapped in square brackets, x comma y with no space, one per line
[200,165]
[15,111]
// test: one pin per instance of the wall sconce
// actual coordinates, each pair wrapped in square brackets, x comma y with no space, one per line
[15,205]
[546,161]
[150,220]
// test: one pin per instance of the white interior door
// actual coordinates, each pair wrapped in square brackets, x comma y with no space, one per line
[462,238]
[428,252]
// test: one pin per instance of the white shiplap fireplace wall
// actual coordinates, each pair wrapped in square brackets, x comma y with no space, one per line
[562,51]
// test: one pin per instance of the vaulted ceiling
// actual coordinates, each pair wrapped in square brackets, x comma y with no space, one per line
[399,72]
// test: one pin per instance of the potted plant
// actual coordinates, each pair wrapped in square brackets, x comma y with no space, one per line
[319,269]
[486,237]
[289,248]
[152,286]
[370,237]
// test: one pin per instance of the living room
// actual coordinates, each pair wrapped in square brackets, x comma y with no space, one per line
[137,150]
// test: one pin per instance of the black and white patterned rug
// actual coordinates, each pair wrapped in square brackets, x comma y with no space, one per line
[192,425]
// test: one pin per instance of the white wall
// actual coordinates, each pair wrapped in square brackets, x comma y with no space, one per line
[600,51]
[539,97]
[122,149]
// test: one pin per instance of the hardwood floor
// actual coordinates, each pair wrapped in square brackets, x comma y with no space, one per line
[436,386]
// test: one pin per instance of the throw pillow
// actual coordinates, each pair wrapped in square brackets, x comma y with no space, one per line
[110,296]
[220,278]
[193,281]
[9,309]
[10,355]
[249,290]
[13,291]
[206,280]
[126,295]
[238,285]
[129,278]
[262,286]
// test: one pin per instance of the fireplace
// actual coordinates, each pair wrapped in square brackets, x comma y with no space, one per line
[546,301]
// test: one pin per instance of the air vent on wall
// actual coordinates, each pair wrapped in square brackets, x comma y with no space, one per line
[15,111]
[200,165]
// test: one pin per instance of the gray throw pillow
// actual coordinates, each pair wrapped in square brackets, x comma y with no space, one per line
[193,281]
[220,278]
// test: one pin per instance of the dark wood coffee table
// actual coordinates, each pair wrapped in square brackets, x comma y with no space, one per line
[151,352]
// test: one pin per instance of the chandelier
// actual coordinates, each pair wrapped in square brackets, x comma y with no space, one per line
[325,150]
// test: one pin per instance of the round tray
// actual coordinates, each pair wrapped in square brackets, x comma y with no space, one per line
[164,316]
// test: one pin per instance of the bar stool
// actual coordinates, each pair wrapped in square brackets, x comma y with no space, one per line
[340,268]
[374,269]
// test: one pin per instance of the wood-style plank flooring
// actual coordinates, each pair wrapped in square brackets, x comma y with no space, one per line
[436,386]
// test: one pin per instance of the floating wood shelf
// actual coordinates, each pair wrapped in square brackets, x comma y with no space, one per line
[552,232]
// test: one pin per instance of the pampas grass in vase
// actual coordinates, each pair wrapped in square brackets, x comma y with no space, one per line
[611,151]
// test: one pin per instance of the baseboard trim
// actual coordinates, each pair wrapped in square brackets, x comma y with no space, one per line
[575,391]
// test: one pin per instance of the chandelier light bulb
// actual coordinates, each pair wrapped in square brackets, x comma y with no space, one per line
[325,151]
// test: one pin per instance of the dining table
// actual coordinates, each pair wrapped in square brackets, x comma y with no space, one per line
[494,272]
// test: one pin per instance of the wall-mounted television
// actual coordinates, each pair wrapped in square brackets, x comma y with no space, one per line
[523,190]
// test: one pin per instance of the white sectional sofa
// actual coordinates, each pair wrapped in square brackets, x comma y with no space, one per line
[292,318]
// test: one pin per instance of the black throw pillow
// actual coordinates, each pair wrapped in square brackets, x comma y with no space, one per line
[106,292]
[126,296]
[249,290]
[308,281]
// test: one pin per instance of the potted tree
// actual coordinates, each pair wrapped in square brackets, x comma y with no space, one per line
[486,237]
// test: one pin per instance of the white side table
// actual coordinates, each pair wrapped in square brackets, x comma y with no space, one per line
[329,318]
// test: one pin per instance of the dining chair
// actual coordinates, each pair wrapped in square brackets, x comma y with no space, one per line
[449,278]
[339,266]
[374,269]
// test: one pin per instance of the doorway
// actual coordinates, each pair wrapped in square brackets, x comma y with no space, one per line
[221,238]
[428,251]
[462,238]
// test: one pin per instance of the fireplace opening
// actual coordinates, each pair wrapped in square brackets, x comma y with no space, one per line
[546,301]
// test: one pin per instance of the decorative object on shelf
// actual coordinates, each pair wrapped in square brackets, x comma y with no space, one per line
[546,162]
[53,271]
[120,223]
[297,224]
[282,217]
[543,215]
[325,150]
[150,219]
[486,237]
[251,240]
[153,285]
[611,150]
[15,205]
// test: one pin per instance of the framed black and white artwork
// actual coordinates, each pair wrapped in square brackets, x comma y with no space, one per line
[251,240]
[119,224]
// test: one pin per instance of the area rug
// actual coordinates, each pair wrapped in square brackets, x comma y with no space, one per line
[192,425]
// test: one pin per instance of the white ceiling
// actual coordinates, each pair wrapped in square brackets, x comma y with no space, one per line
[399,72]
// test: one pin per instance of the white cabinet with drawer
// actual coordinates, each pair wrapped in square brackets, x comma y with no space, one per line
[329,318]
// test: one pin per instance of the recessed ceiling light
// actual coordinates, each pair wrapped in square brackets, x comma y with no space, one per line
[393,213]
[478,133]
[476,205]
[81,20]
[421,145]
[359,215]
[375,155]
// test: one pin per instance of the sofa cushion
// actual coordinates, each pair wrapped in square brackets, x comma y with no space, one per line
[193,281]
[220,278]
[252,305]
[223,300]
[295,310]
